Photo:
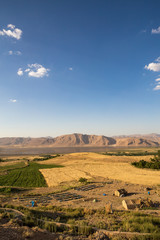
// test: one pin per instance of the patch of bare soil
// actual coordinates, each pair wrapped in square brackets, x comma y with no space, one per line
[92,198]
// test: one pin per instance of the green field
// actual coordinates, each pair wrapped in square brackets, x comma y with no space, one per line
[13,166]
[29,176]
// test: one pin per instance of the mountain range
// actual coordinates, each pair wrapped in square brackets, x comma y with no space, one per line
[79,140]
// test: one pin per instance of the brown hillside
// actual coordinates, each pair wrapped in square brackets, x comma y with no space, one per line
[79,140]
[132,141]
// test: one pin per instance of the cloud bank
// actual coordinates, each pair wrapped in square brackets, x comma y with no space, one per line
[11,31]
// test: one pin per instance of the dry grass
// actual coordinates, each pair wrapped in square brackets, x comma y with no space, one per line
[66,174]
[76,158]
[92,164]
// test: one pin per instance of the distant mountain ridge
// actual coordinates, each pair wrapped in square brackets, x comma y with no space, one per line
[77,139]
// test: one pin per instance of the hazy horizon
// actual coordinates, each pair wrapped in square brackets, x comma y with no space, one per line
[91,67]
[125,135]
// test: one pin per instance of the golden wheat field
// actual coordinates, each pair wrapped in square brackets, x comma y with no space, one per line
[91,165]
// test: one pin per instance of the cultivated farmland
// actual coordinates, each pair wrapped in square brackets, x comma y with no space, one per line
[90,165]
[24,176]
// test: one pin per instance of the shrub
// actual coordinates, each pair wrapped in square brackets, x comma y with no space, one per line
[83,229]
[153,164]
[83,180]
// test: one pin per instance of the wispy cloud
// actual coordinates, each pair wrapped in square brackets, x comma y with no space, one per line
[157,87]
[156,31]
[11,26]
[143,31]
[10,52]
[70,69]
[11,31]
[12,100]
[20,72]
[18,53]
[34,70]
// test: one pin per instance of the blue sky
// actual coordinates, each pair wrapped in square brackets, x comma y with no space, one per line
[83,66]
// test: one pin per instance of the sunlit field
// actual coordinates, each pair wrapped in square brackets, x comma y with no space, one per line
[90,165]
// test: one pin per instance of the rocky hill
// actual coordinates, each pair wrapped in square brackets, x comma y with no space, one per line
[76,139]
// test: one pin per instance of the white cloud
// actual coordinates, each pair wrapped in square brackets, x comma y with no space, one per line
[18,53]
[11,26]
[154,66]
[11,32]
[37,70]
[157,87]
[70,69]
[10,52]
[156,31]
[20,72]
[27,70]
[13,100]
[34,70]
[158,59]
[157,80]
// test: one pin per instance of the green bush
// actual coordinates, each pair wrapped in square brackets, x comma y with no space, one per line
[84,229]
[83,180]
[46,157]
[142,224]
[153,164]
[130,153]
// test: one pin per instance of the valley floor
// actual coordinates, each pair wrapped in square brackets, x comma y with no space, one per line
[65,195]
